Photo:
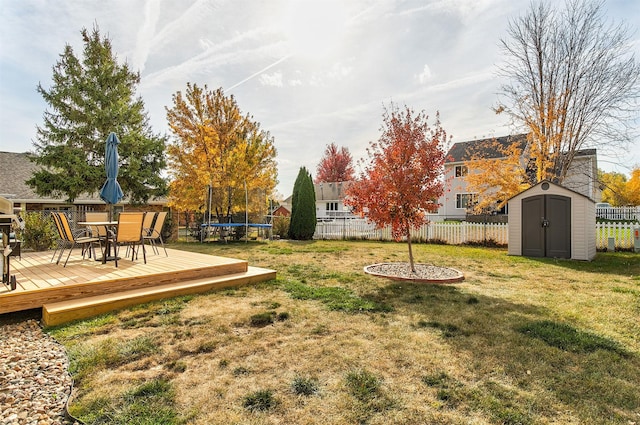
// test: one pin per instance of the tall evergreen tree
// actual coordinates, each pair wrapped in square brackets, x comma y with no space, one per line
[303,207]
[90,97]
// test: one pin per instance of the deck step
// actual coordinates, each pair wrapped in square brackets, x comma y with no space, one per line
[66,311]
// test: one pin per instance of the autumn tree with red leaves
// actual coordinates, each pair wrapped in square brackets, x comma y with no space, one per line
[404,178]
[335,166]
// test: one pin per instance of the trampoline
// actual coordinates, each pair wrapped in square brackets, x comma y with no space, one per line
[205,228]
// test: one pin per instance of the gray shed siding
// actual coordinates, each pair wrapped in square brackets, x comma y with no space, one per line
[583,221]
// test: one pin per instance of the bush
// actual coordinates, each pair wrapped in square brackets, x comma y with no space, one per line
[281,226]
[39,233]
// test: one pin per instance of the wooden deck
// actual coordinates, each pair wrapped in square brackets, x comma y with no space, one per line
[96,287]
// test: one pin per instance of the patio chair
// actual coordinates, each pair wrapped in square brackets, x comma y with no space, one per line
[61,242]
[129,233]
[156,233]
[76,239]
[99,231]
[147,225]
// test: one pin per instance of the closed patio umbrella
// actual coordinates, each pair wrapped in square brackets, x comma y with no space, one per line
[111,191]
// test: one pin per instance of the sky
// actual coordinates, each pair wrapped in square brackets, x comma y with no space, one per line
[310,72]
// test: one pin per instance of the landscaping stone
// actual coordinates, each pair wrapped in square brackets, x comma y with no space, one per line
[34,379]
[424,272]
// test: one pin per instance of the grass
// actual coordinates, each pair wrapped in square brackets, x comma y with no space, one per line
[520,341]
[304,386]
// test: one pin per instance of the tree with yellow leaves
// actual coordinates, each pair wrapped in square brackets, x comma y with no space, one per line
[498,177]
[632,188]
[613,186]
[216,146]
[573,82]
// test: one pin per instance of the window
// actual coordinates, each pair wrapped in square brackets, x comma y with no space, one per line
[65,208]
[332,206]
[461,170]
[466,200]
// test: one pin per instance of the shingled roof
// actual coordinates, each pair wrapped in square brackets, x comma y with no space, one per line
[16,170]
[494,148]
[331,191]
[484,148]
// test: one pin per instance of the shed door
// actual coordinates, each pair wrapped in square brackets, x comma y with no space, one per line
[532,229]
[546,226]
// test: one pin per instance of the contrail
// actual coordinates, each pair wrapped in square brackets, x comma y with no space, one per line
[258,73]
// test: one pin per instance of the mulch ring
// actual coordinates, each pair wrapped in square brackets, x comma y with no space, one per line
[424,272]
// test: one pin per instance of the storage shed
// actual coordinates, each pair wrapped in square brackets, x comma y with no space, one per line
[548,220]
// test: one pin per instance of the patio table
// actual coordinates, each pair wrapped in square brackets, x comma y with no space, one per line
[106,255]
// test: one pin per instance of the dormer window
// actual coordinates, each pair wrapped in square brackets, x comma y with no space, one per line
[461,170]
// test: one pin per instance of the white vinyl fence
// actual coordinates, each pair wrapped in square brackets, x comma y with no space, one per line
[457,233]
[621,232]
[619,213]
[453,233]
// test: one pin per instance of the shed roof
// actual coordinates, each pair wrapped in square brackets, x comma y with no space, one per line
[552,184]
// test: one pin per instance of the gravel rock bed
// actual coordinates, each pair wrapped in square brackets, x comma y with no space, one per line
[424,272]
[34,379]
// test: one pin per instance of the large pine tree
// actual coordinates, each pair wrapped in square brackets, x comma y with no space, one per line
[303,207]
[90,97]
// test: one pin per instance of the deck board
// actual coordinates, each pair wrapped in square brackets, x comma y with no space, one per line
[41,281]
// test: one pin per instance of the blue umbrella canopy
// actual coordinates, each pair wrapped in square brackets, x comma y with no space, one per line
[111,191]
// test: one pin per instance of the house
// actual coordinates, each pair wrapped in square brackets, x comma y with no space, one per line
[329,201]
[16,169]
[458,199]
[281,211]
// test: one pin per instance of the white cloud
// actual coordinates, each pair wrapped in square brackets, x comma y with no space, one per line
[333,93]
[145,34]
[274,80]
[425,75]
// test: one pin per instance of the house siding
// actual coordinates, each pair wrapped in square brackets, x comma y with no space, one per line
[581,176]
[331,193]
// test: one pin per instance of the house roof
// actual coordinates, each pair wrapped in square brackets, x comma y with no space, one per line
[16,168]
[493,148]
[281,210]
[331,191]
[485,148]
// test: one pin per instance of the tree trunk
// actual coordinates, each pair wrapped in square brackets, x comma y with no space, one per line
[413,267]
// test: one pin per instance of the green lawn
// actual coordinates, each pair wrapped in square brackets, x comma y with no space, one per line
[520,341]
